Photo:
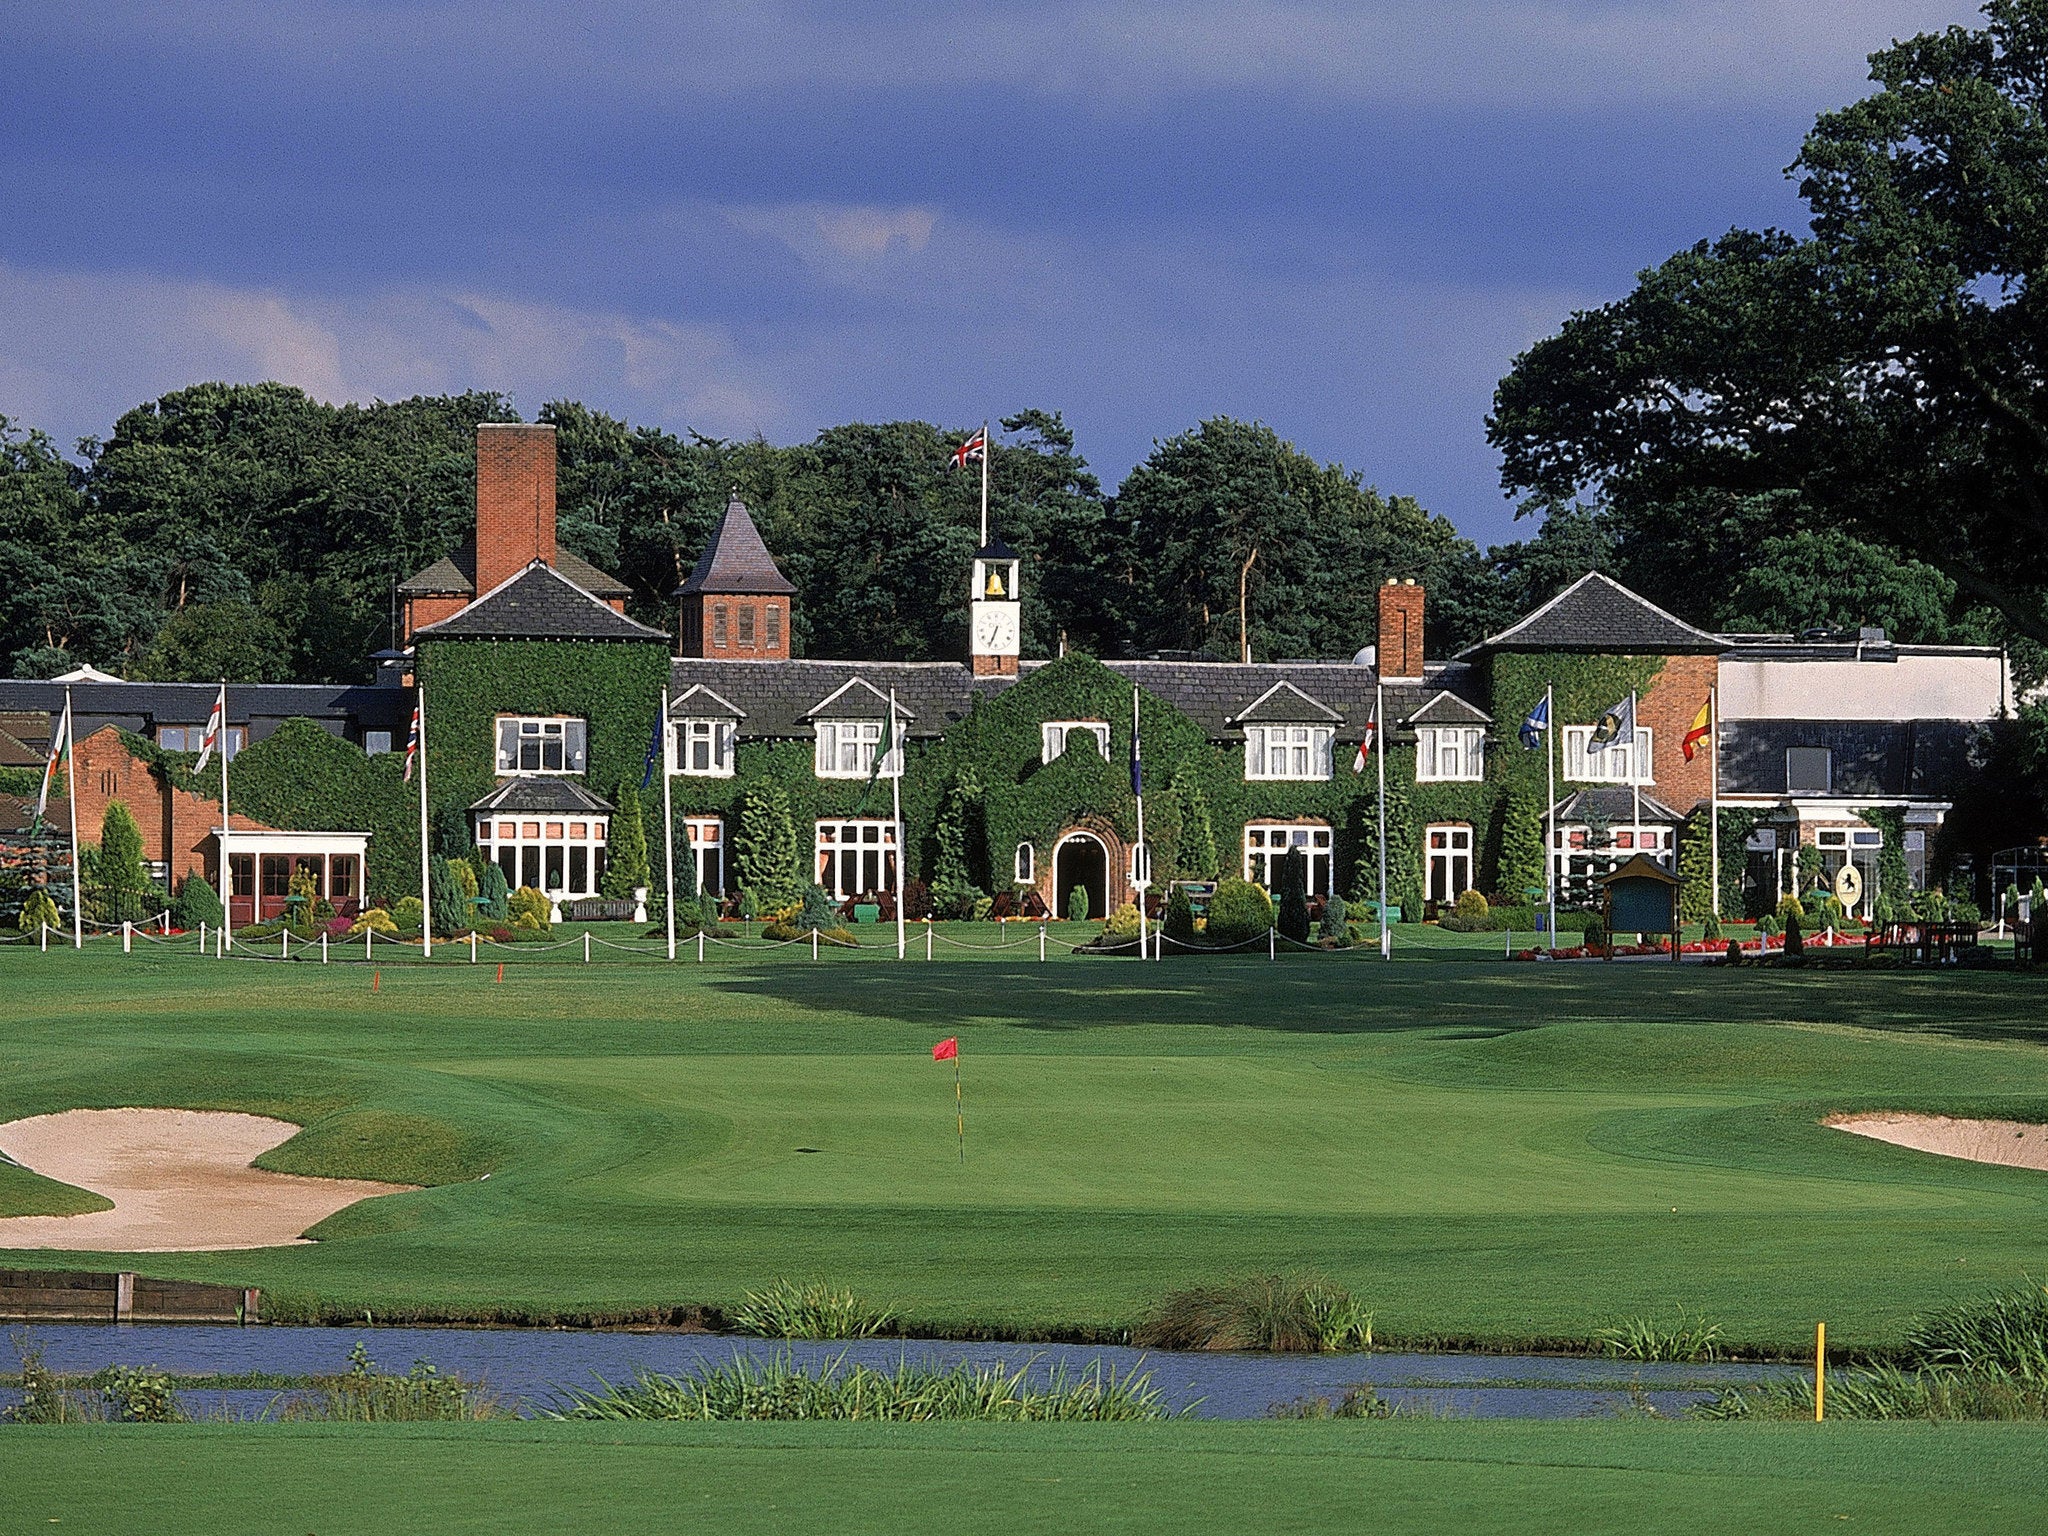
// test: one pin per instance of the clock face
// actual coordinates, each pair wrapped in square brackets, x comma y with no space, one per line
[995,629]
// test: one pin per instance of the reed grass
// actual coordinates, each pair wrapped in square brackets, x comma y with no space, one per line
[788,1310]
[1687,1340]
[366,1395]
[1298,1314]
[778,1389]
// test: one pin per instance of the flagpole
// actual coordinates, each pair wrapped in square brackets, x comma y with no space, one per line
[71,790]
[1635,779]
[984,482]
[1379,729]
[1138,790]
[426,885]
[896,809]
[1550,851]
[227,868]
[668,818]
[1714,789]
[959,1105]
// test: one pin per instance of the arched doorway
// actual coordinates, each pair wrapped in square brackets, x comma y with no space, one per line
[1082,860]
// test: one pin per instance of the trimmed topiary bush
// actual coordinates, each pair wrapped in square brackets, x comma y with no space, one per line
[39,912]
[492,886]
[818,912]
[1178,922]
[528,908]
[1238,913]
[1334,925]
[1292,880]
[1077,904]
[197,902]
[1123,924]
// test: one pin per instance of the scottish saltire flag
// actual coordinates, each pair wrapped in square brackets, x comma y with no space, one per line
[1537,723]
[215,724]
[1372,730]
[412,741]
[653,752]
[1616,728]
[976,447]
[60,743]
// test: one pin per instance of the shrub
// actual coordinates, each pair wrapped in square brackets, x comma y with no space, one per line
[917,901]
[750,904]
[528,908]
[1791,907]
[1711,931]
[953,900]
[197,902]
[1123,923]
[39,911]
[1179,919]
[1360,1402]
[1333,925]
[818,911]
[365,1395]
[408,913]
[131,1396]
[1768,927]
[1292,879]
[1795,941]
[1734,952]
[626,867]
[452,909]
[787,1310]
[1470,905]
[1596,934]
[1643,1338]
[376,919]
[984,908]
[1238,913]
[770,859]
[496,892]
[1292,1314]
[1077,904]
[118,889]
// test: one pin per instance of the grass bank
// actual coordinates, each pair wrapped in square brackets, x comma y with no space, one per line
[1392,1477]
[1480,1152]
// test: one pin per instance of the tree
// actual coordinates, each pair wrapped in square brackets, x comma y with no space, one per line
[453,912]
[1830,578]
[1197,855]
[197,902]
[769,861]
[1882,376]
[495,890]
[211,641]
[626,866]
[1696,868]
[119,868]
[1292,882]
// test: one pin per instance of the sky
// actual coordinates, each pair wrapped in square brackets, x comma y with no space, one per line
[1342,220]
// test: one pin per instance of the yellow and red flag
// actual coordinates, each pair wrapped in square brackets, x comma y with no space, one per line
[1698,732]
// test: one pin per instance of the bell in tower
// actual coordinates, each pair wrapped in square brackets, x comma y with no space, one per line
[996,621]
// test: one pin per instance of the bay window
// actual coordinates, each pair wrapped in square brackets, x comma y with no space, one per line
[533,744]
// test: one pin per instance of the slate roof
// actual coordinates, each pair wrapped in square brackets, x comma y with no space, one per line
[141,707]
[24,738]
[1287,703]
[546,795]
[18,814]
[1446,708]
[735,560]
[700,702]
[776,696]
[1597,613]
[1615,803]
[454,575]
[540,603]
[779,697]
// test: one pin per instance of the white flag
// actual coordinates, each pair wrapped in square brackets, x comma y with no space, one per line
[60,743]
[214,724]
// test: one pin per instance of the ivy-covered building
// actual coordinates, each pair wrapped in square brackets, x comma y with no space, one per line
[542,698]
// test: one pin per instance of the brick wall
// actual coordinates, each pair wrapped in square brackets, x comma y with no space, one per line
[1668,709]
[515,500]
[422,611]
[177,827]
[1400,640]
[734,627]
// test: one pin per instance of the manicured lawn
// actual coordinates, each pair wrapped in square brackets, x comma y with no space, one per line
[1482,1150]
[1573,1479]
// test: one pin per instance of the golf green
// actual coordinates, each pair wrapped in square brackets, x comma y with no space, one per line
[1572,1479]
[1481,1150]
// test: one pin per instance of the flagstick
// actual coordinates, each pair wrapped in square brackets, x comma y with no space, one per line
[227,867]
[426,886]
[71,788]
[668,818]
[1550,862]
[1714,789]
[896,810]
[959,1110]
[1379,725]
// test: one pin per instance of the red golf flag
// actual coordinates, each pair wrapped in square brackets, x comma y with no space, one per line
[946,1049]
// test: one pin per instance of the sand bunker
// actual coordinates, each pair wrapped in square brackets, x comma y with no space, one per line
[180,1181]
[2010,1142]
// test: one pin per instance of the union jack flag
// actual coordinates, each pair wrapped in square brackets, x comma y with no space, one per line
[412,743]
[976,447]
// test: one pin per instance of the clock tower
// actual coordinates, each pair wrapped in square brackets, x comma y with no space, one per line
[996,623]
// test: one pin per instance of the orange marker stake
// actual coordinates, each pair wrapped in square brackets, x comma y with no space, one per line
[375,977]
[501,970]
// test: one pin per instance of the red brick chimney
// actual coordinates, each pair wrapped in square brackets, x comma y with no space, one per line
[515,500]
[1400,649]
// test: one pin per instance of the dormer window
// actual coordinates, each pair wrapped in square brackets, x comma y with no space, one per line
[1056,735]
[704,748]
[1287,751]
[847,748]
[536,744]
[1445,753]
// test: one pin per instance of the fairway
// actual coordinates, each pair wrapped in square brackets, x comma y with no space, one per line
[1582,1479]
[1482,1151]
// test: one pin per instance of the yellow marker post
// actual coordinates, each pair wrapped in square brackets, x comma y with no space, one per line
[1820,1371]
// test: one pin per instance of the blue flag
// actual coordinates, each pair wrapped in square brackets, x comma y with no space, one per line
[1537,723]
[653,754]
[1137,765]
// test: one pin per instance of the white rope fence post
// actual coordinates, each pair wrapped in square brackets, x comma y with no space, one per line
[700,946]
[927,940]
[284,943]
[1041,943]
[323,946]
[43,930]
[369,936]
[127,936]
[472,946]
[814,943]
[586,946]
[202,937]
[1272,945]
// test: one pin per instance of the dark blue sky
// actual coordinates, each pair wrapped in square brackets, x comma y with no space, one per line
[1343,220]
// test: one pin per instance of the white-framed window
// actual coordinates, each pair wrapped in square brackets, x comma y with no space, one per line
[192,738]
[533,744]
[1809,771]
[856,858]
[847,748]
[1267,842]
[1449,752]
[1026,868]
[1054,735]
[550,853]
[1615,765]
[1287,751]
[705,838]
[704,748]
[1449,868]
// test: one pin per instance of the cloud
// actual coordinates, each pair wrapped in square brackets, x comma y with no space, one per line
[839,240]
[1483,53]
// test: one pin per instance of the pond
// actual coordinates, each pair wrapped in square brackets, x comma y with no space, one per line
[533,1365]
